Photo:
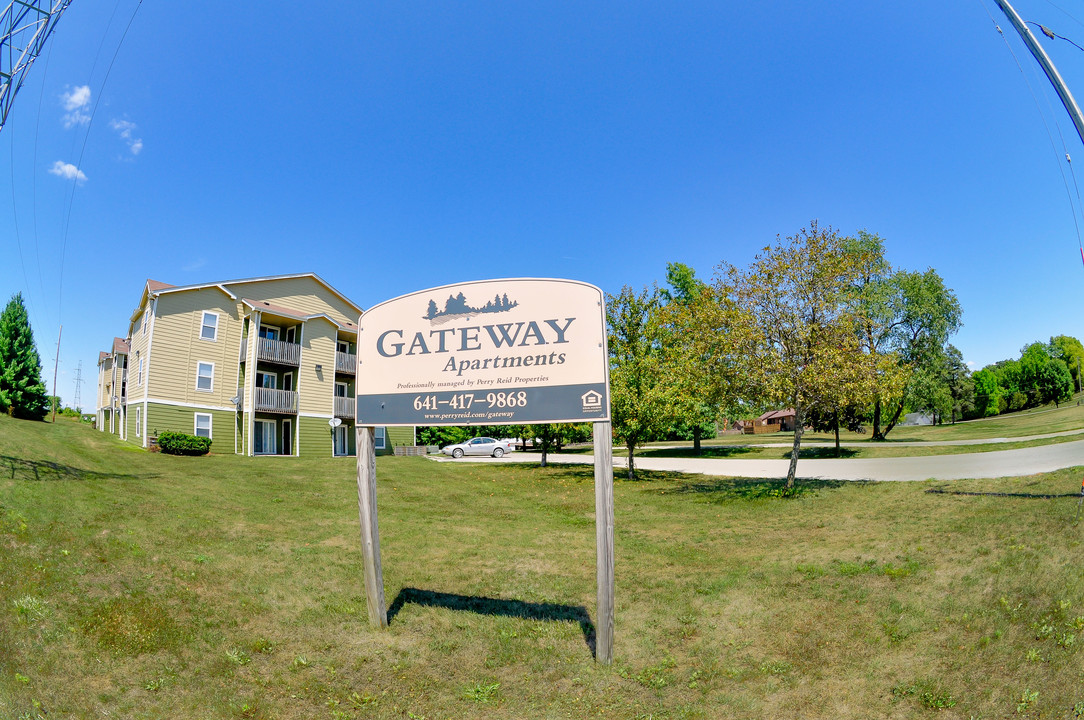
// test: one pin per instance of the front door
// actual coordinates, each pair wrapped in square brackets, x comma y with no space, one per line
[341,446]
[287,438]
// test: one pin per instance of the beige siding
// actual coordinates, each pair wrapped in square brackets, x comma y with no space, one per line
[316,389]
[302,294]
[178,347]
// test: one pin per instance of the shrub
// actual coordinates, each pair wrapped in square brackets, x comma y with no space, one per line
[175,443]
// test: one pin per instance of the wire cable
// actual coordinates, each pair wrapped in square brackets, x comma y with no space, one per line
[1051,34]
[1046,126]
[86,136]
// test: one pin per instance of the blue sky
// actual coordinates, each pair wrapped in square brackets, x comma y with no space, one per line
[392,148]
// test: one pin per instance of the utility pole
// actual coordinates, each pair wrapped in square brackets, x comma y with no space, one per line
[55,366]
[78,402]
[1047,66]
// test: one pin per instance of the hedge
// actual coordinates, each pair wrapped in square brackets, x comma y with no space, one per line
[175,443]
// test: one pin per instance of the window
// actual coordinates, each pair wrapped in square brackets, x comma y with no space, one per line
[143,320]
[203,425]
[139,379]
[205,376]
[209,327]
[378,435]
[139,425]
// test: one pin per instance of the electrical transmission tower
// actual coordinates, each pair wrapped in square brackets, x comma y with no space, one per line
[78,403]
[25,25]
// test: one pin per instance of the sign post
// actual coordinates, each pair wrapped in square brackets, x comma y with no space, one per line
[491,352]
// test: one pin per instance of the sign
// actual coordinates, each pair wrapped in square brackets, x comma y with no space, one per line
[492,352]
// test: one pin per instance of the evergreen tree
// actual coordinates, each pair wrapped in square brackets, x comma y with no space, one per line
[22,392]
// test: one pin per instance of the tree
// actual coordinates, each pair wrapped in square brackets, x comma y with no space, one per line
[690,405]
[22,392]
[1054,384]
[792,326]
[639,407]
[988,392]
[912,314]
[1070,351]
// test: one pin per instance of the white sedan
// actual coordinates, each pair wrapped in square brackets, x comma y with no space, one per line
[479,446]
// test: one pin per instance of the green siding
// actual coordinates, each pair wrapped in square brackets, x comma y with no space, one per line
[172,418]
[398,436]
[315,436]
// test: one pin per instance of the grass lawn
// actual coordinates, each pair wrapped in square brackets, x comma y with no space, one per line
[140,585]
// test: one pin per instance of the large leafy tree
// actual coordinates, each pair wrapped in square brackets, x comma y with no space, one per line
[638,399]
[22,392]
[912,314]
[691,406]
[1070,351]
[792,327]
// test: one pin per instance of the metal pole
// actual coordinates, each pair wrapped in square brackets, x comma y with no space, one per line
[1048,67]
[56,364]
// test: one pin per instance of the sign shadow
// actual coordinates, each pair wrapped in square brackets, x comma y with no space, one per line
[551,612]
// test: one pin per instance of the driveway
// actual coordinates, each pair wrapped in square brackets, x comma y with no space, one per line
[998,463]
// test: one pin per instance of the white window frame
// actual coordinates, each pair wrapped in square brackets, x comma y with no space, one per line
[380,438]
[139,423]
[200,364]
[210,425]
[140,383]
[214,326]
[143,320]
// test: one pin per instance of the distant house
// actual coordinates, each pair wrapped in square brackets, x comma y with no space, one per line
[769,422]
[262,366]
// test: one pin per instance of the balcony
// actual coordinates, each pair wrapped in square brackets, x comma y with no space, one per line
[344,407]
[276,401]
[278,351]
[346,363]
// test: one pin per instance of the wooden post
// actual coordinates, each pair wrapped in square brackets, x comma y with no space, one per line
[604,541]
[370,533]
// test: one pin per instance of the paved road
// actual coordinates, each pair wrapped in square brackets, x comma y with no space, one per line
[998,463]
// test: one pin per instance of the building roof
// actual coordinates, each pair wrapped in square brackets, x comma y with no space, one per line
[103,356]
[776,415]
[264,306]
[120,345]
[153,288]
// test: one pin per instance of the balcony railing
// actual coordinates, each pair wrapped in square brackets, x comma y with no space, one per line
[344,407]
[346,363]
[276,401]
[278,351]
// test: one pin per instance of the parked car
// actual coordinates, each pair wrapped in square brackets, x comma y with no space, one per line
[479,446]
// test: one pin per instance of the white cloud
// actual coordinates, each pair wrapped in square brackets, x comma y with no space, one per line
[124,128]
[76,102]
[67,171]
[970,363]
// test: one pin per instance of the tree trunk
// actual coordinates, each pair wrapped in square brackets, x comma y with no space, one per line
[836,423]
[895,419]
[795,448]
[631,446]
[696,440]
[877,420]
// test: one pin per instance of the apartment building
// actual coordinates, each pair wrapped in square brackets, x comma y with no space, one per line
[262,366]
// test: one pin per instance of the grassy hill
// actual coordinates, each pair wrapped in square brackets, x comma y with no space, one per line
[141,585]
